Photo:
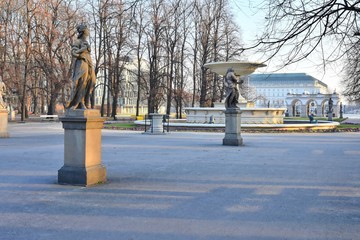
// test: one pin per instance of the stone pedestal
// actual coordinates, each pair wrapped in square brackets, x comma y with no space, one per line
[82,148]
[12,116]
[330,116]
[233,127]
[156,127]
[4,123]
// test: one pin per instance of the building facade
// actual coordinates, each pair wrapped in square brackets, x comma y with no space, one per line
[300,93]
[128,91]
[272,89]
[303,105]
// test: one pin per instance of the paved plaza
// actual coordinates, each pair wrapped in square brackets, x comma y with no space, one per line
[183,186]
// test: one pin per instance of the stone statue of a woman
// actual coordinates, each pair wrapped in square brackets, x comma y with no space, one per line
[2,93]
[83,78]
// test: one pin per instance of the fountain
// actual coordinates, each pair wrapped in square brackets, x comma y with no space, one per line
[257,118]
[233,114]
[250,114]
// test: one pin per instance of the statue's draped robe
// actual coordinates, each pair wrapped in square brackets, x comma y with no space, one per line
[84,81]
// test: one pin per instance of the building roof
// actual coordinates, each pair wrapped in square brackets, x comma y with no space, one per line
[289,77]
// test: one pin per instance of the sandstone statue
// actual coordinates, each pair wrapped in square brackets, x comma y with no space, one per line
[83,77]
[2,93]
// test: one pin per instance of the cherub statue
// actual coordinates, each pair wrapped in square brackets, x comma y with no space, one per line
[232,92]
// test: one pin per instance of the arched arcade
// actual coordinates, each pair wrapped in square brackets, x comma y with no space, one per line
[302,105]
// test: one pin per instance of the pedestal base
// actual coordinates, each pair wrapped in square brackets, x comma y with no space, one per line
[233,128]
[84,176]
[82,148]
[330,116]
[156,127]
[4,123]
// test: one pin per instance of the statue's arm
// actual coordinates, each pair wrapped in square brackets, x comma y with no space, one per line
[74,50]
[85,46]
[236,80]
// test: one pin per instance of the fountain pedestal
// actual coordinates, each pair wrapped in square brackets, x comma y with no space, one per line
[156,127]
[233,127]
[330,116]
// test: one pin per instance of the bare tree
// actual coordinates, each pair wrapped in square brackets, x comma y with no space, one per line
[120,45]
[29,13]
[303,26]
[206,12]
[12,53]
[56,23]
[352,81]
[172,37]
[154,31]
[5,23]
[195,49]
[181,69]
[37,54]
[214,32]
[98,20]
[138,29]
[294,30]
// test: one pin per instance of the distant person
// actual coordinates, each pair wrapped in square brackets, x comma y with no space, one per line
[311,118]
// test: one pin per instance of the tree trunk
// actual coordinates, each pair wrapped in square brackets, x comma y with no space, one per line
[52,105]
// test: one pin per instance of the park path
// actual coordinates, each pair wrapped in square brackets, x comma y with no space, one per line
[183,185]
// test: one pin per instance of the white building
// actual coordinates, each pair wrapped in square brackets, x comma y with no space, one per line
[272,89]
[128,92]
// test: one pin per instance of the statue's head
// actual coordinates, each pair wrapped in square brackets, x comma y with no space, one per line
[82,30]
[230,70]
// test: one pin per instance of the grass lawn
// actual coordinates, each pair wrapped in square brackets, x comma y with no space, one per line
[348,126]
[342,126]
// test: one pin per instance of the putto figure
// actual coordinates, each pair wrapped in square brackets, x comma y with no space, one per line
[232,92]
[83,78]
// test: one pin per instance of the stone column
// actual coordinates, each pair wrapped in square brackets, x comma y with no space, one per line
[82,148]
[233,127]
[330,115]
[12,116]
[156,127]
[4,123]
[303,111]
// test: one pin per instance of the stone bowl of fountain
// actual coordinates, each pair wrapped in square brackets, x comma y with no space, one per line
[241,68]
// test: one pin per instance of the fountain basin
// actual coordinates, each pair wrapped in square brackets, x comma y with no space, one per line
[240,67]
[216,115]
[286,126]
